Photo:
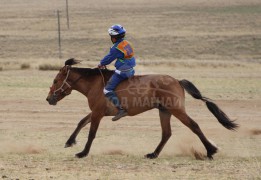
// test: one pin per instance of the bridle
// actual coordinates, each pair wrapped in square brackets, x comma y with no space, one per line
[65,85]
[62,88]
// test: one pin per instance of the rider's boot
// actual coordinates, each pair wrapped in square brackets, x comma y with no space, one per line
[112,97]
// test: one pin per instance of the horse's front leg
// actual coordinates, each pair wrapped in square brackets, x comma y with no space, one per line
[72,140]
[95,121]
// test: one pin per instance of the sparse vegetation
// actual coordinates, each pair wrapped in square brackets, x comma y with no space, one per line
[49,67]
[215,44]
[25,66]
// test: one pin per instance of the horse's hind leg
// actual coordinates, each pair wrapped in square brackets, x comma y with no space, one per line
[71,141]
[166,132]
[186,120]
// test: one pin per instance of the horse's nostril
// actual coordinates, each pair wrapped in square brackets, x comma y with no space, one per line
[47,99]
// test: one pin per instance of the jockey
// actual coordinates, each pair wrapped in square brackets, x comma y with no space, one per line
[123,52]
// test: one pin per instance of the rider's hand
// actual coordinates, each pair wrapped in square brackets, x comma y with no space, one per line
[101,66]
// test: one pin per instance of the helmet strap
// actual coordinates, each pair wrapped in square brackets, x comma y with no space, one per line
[113,40]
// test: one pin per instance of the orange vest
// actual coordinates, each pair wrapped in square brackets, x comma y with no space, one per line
[126,48]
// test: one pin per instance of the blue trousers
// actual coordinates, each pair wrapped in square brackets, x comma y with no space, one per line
[117,78]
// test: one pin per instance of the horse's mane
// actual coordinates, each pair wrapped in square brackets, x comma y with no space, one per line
[92,71]
[87,71]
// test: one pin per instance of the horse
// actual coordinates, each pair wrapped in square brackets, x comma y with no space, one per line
[137,94]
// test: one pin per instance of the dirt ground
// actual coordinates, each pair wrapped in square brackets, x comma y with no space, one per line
[214,44]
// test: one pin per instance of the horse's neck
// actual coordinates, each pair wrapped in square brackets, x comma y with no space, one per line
[89,85]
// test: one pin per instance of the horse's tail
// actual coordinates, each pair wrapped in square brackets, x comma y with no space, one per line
[213,108]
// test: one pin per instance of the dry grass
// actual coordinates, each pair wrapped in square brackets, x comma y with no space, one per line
[214,44]
[202,30]
[25,66]
[45,67]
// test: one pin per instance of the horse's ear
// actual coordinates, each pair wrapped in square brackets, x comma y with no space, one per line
[71,62]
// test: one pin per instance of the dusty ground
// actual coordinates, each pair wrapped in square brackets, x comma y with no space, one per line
[216,45]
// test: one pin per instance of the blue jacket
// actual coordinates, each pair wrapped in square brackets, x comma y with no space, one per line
[121,63]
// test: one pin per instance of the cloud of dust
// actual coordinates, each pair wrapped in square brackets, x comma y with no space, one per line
[234,143]
[189,145]
[255,132]
[18,147]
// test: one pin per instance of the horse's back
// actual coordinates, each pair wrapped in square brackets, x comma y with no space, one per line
[155,81]
[150,90]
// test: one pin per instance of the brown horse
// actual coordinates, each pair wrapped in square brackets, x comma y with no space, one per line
[137,95]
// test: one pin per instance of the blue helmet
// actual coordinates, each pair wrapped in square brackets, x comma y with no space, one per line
[116,30]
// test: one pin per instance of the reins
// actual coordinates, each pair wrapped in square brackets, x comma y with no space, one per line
[102,77]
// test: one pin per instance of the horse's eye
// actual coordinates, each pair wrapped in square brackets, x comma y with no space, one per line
[55,81]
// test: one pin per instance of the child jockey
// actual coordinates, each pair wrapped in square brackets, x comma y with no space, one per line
[123,52]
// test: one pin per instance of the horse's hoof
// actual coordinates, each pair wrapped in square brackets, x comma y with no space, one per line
[70,143]
[151,156]
[80,155]
[211,153]
[210,157]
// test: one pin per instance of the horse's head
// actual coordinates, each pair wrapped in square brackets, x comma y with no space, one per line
[61,86]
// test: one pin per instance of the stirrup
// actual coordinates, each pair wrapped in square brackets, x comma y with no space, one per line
[121,113]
